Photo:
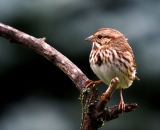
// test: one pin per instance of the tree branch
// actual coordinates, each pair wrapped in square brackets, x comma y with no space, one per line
[41,47]
[94,110]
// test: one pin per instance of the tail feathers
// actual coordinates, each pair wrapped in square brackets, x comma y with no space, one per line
[136,78]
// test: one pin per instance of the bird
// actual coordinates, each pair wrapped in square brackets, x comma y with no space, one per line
[111,56]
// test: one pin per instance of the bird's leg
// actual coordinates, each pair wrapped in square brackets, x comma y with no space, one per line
[90,82]
[121,104]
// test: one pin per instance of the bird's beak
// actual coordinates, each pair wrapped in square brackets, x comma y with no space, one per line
[90,38]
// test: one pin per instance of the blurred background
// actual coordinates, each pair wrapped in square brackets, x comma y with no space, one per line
[36,95]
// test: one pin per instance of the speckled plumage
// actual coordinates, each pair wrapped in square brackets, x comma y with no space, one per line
[111,56]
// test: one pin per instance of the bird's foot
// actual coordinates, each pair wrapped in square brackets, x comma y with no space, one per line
[121,106]
[94,83]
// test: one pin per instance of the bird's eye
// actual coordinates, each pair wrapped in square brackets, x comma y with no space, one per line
[99,36]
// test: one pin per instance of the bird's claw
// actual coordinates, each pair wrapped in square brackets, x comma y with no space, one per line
[91,82]
[121,106]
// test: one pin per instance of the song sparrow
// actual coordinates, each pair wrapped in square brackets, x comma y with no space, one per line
[111,56]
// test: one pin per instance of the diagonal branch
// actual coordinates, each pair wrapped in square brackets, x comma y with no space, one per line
[107,95]
[94,111]
[41,47]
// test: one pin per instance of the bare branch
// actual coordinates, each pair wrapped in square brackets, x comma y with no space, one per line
[39,46]
[96,110]
[106,96]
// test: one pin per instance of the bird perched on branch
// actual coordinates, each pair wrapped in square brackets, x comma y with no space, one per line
[111,56]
